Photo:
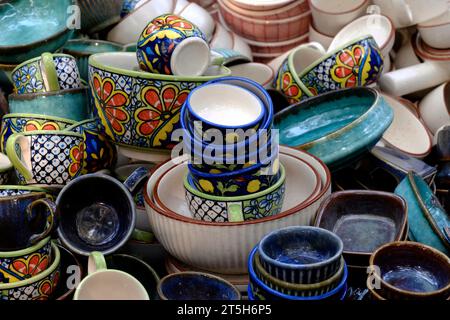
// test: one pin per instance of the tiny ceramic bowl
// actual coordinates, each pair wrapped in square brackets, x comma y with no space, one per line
[27,263]
[38,287]
[259,72]
[224,107]
[301,255]
[410,270]
[196,286]
[261,291]
[291,9]
[364,220]
[298,290]
[6,169]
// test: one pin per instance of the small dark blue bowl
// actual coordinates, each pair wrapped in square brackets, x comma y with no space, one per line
[196,286]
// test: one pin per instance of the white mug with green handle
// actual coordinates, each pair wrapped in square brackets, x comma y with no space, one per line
[108,284]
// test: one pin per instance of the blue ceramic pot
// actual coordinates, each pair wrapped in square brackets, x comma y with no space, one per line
[426,217]
[302,255]
[339,127]
[260,291]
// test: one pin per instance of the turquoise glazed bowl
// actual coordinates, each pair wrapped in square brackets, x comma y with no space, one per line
[71,104]
[426,217]
[82,49]
[140,109]
[358,63]
[338,127]
[29,29]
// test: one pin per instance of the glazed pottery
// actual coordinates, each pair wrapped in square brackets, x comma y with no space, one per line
[196,286]
[138,269]
[13,190]
[38,287]
[316,36]
[6,169]
[170,45]
[435,109]
[263,5]
[348,123]
[301,255]
[134,105]
[71,104]
[99,214]
[108,284]
[25,122]
[231,56]
[48,72]
[99,153]
[433,31]
[261,29]
[406,133]
[331,16]
[97,15]
[70,266]
[298,290]
[411,271]
[128,6]
[197,15]
[241,46]
[223,247]
[82,49]
[291,9]
[261,73]
[261,291]
[26,263]
[357,63]
[46,157]
[278,47]
[364,220]
[427,219]
[28,30]
[222,38]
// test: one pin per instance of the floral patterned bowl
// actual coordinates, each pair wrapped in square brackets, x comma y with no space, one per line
[38,287]
[355,64]
[139,109]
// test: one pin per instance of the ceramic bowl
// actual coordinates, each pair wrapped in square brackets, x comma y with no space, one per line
[31,31]
[261,5]
[261,73]
[279,47]
[128,111]
[97,15]
[69,266]
[433,31]
[196,286]
[426,217]
[222,38]
[291,9]
[224,247]
[434,108]
[197,15]
[409,270]
[364,220]
[355,64]
[298,290]
[241,46]
[39,287]
[70,104]
[265,30]
[301,255]
[336,143]
[260,291]
[405,124]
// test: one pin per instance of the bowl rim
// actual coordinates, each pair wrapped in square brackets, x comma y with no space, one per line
[321,213]
[417,44]
[175,216]
[39,58]
[225,72]
[81,53]
[415,245]
[28,250]
[44,274]
[425,25]
[291,266]
[277,44]
[363,3]
[263,13]
[37,95]
[197,274]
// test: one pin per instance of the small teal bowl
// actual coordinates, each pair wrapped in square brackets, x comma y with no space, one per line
[339,127]
[426,217]
[70,104]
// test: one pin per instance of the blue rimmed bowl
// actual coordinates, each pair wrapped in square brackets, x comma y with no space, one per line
[339,127]
[301,255]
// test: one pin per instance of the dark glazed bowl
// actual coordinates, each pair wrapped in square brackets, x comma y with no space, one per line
[364,220]
[410,270]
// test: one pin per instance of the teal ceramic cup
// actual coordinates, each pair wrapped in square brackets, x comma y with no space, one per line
[71,104]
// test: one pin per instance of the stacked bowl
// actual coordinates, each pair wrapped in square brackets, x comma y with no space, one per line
[270,28]
[298,263]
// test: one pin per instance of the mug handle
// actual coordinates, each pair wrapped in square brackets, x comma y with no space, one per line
[235,212]
[96,262]
[19,164]
[49,72]
[50,216]
[136,178]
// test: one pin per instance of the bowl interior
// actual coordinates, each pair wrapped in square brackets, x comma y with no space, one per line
[92,46]
[305,56]
[413,268]
[258,72]
[364,220]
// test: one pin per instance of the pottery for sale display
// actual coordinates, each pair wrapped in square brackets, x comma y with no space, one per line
[348,123]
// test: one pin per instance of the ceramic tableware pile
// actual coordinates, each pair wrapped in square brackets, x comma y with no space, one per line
[298,263]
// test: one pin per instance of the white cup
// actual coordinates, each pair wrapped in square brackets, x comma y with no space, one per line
[259,72]
[316,36]
[436,32]
[435,108]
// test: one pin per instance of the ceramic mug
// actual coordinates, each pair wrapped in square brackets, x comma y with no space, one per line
[25,220]
[49,72]
[435,108]
[172,45]
[108,284]
[46,157]
[26,263]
